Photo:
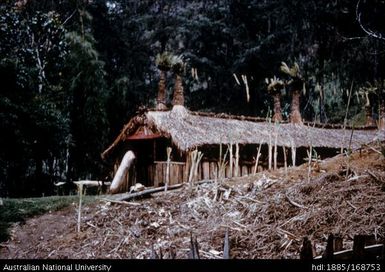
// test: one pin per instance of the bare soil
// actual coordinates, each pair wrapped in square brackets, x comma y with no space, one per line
[267,216]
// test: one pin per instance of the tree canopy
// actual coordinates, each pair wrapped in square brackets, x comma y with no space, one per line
[73,72]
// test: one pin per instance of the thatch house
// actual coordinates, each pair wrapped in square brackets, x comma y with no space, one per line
[150,133]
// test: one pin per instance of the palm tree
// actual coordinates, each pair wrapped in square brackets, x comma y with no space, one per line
[178,67]
[163,62]
[295,84]
[274,87]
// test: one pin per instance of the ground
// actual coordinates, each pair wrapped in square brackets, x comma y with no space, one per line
[266,215]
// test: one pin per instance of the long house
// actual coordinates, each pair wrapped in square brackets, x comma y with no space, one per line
[219,136]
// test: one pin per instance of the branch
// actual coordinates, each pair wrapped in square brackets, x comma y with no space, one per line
[366,30]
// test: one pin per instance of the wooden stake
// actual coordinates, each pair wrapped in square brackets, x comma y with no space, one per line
[306,250]
[168,168]
[226,246]
[275,147]
[257,160]
[270,152]
[309,154]
[285,158]
[329,252]
[359,247]
[293,153]
[236,174]
[231,160]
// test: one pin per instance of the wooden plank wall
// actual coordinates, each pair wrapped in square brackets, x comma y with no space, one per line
[179,171]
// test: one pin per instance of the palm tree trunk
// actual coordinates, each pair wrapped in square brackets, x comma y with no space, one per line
[277,117]
[161,100]
[295,114]
[178,98]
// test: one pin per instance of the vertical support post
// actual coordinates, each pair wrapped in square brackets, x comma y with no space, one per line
[306,250]
[359,247]
[226,246]
[168,168]
[329,252]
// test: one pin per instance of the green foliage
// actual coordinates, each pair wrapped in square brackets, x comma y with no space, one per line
[73,72]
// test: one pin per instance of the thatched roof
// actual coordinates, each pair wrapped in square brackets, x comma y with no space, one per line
[189,130]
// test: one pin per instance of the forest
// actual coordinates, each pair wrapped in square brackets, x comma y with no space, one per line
[73,72]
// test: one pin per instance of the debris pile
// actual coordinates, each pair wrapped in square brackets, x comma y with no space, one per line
[265,216]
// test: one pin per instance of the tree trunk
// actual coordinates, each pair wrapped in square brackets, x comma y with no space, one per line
[368,116]
[161,100]
[178,98]
[277,117]
[295,114]
[120,176]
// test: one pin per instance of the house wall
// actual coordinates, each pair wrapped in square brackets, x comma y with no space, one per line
[152,169]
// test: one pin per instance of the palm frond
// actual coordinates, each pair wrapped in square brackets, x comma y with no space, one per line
[274,84]
[164,61]
[293,71]
[177,64]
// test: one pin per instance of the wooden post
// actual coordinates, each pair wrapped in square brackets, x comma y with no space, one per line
[306,250]
[236,163]
[284,159]
[293,153]
[231,160]
[270,151]
[329,251]
[338,244]
[257,159]
[168,168]
[275,146]
[310,156]
[226,246]
[359,247]
[194,248]
[80,188]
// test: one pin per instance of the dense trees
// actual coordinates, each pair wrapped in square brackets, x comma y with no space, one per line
[73,71]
